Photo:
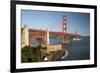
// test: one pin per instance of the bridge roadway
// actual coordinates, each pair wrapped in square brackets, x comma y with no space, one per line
[41,35]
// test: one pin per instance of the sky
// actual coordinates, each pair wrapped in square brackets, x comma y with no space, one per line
[52,20]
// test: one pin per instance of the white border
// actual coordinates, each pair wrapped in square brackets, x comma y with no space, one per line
[20,65]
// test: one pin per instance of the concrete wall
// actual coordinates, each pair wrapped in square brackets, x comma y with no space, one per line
[56,47]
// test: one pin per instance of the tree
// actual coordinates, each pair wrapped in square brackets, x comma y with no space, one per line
[32,54]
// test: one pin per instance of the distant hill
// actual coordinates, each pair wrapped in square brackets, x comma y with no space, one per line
[85,36]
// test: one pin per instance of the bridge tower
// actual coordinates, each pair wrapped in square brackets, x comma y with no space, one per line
[76,34]
[64,27]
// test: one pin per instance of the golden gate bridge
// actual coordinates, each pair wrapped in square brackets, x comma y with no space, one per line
[30,34]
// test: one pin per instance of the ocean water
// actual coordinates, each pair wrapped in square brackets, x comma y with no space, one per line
[77,50]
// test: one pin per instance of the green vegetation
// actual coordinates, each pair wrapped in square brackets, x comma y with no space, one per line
[32,54]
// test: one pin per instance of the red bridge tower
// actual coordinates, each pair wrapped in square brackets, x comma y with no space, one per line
[64,27]
[64,24]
